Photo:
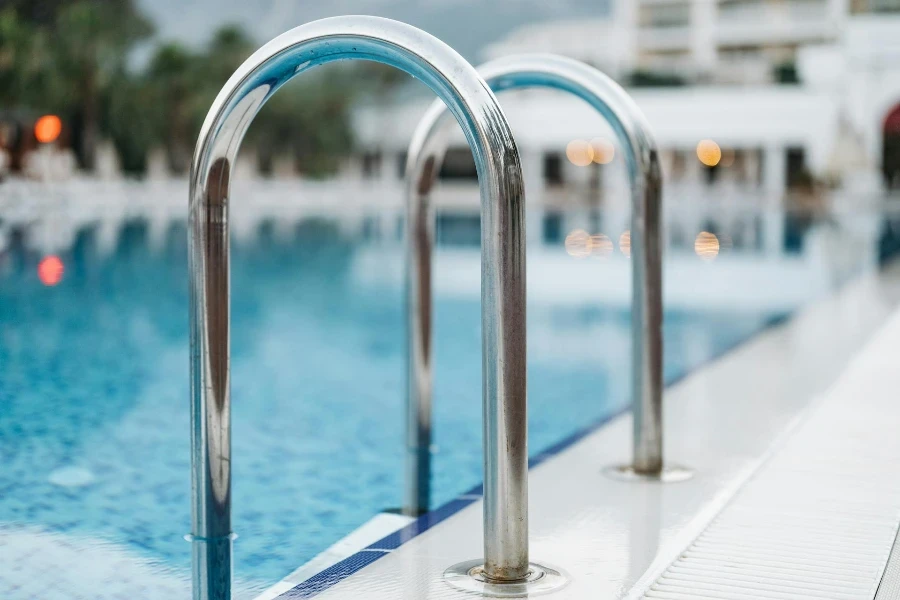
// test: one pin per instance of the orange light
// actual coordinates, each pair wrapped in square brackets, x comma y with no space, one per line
[578,243]
[50,270]
[625,243]
[709,153]
[706,245]
[47,129]
[601,246]
[580,153]
[604,151]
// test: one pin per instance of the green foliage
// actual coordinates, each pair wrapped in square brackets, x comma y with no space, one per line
[26,78]
[307,119]
[71,57]
[132,121]
[66,60]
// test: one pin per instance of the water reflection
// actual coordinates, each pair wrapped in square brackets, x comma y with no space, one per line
[50,270]
[706,245]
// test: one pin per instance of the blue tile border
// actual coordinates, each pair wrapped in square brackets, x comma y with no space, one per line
[338,572]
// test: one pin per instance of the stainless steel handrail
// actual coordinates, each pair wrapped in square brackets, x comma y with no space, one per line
[503,278]
[424,157]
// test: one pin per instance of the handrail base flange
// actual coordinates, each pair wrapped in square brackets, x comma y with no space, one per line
[469,577]
[668,474]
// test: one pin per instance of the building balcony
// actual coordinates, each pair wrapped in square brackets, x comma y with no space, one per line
[767,23]
[664,39]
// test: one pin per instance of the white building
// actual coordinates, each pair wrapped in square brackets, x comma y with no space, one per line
[792,91]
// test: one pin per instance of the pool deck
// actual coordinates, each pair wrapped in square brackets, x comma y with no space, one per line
[795,385]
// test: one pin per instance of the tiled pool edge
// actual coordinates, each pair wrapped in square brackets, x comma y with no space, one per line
[349,566]
[874,295]
[841,421]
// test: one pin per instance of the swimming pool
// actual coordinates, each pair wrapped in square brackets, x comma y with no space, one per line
[94,403]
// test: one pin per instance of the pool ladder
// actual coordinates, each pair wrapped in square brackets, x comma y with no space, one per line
[505,568]
[424,157]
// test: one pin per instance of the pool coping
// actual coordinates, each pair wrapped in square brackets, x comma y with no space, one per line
[871,296]
[347,567]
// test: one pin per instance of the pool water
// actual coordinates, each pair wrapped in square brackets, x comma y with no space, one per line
[94,420]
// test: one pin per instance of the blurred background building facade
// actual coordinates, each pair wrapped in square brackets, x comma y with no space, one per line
[775,118]
[794,93]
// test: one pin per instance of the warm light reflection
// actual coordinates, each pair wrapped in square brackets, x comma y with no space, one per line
[604,151]
[601,246]
[580,153]
[709,153]
[50,270]
[706,245]
[578,243]
[625,243]
[47,129]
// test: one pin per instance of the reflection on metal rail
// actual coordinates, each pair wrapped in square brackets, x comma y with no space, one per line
[425,154]
[503,280]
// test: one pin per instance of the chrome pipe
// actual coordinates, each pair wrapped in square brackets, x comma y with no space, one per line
[424,158]
[503,273]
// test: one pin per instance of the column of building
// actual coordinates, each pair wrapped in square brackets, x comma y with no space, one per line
[774,182]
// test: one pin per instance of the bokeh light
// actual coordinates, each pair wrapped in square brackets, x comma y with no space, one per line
[50,270]
[47,129]
[709,153]
[706,245]
[625,243]
[601,246]
[578,243]
[580,153]
[604,151]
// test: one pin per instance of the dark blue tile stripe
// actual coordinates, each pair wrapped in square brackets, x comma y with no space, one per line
[332,575]
[347,567]
[421,524]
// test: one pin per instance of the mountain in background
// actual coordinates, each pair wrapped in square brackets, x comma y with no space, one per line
[467,25]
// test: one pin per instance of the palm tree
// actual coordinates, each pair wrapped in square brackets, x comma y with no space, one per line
[92,41]
[172,84]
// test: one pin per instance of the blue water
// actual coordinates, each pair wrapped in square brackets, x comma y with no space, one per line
[94,377]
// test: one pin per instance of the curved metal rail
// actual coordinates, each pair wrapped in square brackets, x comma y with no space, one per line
[424,157]
[503,278]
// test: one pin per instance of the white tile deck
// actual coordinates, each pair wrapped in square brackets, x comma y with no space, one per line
[614,537]
[818,519]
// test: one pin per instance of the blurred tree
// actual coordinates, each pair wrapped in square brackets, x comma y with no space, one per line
[309,120]
[182,85]
[37,12]
[133,119]
[71,57]
[26,74]
[379,78]
[92,39]
[171,83]
[229,47]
